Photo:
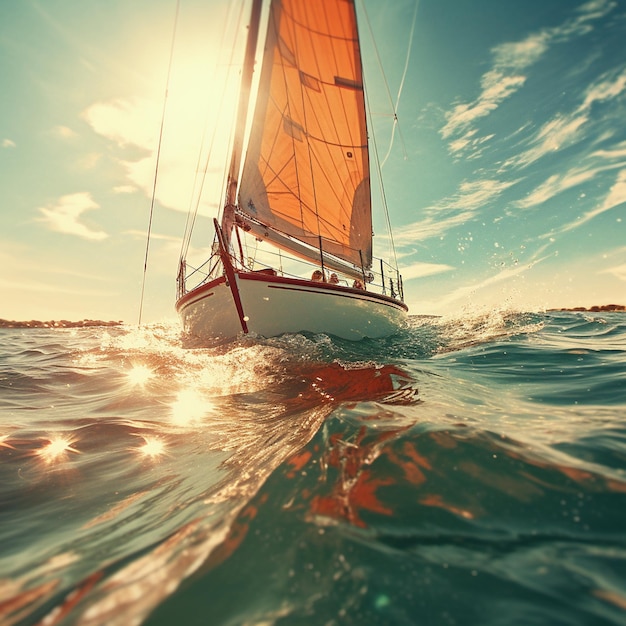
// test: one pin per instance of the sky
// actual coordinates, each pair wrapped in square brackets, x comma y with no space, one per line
[505,174]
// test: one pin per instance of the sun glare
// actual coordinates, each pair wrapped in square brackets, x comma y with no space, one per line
[202,94]
[56,449]
[139,375]
[190,407]
[3,438]
[152,448]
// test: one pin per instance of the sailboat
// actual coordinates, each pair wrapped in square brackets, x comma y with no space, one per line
[300,190]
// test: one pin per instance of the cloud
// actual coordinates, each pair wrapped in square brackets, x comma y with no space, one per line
[555,185]
[497,84]
[453,211]
[510,60]
[592,10]
[133,125]
[609,87]
[503,276]
[595,163]
[619,271]
[475,194]
[8,143]
[617,152]
[64,132]
[615,197]
[89,161]
[124,189]
[554,135]
[130,122]
[63,216]
[433,226]
[419,270]
[564,130]
[140,234]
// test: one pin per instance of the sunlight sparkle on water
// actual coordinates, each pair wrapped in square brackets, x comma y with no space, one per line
[190,407]
[139,374]
[56,449]
[3,438]
[152,448]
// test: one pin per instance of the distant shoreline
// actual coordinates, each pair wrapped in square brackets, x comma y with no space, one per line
[604,308]
[595,309]
[55,324]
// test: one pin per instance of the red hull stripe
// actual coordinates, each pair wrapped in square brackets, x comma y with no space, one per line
[199,293]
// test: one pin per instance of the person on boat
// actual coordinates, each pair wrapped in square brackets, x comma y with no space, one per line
[358,284]
[317,276]
[334,279]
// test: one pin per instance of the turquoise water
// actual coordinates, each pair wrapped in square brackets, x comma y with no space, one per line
[466,471]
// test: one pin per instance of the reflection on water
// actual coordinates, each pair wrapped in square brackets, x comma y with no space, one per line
[303,479]
[153,448]
[56,449]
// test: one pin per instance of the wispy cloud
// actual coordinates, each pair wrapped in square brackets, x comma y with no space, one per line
[502,276]
[619,271]
[429,227]
[142,235]
[555,185]
[419,270]
[596,163]
[63,132]
[565,129]
[507,75]
[559,132]
[615,197]
[8,143]
[608,87]
[616,152]
[64,216]
[500,82]
[453,211]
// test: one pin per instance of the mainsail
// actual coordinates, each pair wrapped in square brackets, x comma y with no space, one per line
[306,170]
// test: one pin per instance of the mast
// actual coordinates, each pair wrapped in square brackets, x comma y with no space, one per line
[242,114]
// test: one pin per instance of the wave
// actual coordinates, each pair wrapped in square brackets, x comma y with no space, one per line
[477,457]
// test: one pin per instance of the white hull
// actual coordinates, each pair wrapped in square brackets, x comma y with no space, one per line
[273,305]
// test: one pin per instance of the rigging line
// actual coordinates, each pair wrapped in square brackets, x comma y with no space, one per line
[382,71]
[158,155]
[382,186]
[198,187]
[404,72]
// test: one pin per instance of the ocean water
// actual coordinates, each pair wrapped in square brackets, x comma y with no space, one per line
[467,471]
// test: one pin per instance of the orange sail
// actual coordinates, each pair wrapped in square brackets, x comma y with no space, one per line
[306,171]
